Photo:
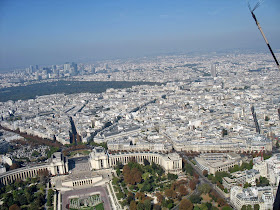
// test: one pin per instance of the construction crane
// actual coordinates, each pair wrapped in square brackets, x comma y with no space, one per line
[261,152]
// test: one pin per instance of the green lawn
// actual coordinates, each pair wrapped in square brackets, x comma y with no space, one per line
[98,207]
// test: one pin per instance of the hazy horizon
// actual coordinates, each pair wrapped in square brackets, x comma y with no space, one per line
[53,32]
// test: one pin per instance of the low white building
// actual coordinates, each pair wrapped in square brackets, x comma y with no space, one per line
[269,168]
[213,162]
[240,178]
[263,196]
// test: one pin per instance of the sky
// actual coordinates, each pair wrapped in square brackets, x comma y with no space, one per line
[56,31]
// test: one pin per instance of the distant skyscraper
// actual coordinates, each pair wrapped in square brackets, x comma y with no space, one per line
[31,69]
[37,77]
[74,69]
[55,70]
[37,67]
[67,66]
[92,69]
[82,69]
[213,70]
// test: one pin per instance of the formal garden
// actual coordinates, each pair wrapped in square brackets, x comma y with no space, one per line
[93,202]
[148,187]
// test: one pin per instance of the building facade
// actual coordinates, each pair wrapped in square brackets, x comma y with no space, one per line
[262,196]
[58,164]
[213,162]
[100,159]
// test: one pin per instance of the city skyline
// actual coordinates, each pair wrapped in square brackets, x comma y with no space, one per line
[54,32]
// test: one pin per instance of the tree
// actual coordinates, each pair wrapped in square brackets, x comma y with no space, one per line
[120,195]
[226,208]
[115,181]
[146,175]
[8,199]
[249,207]
[124,203]
[182,190]
[189,169]
[159,170]
[195,198]
[130,197]
[205,173]
[14,207]
[133,205]
[35,153]
[51,151]
[214,195]
[15,166]
[220,174]
[156,207]
[50,197]
[234,168]
[277,144]
[192,184]
[220,186]
[196,176]
[172,176]
[137,175]
[169,193]
[147,204]
[186,205]
[209,205]
[118,171]
[244,207]
[248,166]
[132,174]
[221,202]
[170,205]
[203,207]
[146,187]
[204,188]
[22,199]
[159,197]
[140,196]
[167,203]
[40,199]
[140,206]
[262,182]
[256,207]
[246,185]
[29,196]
